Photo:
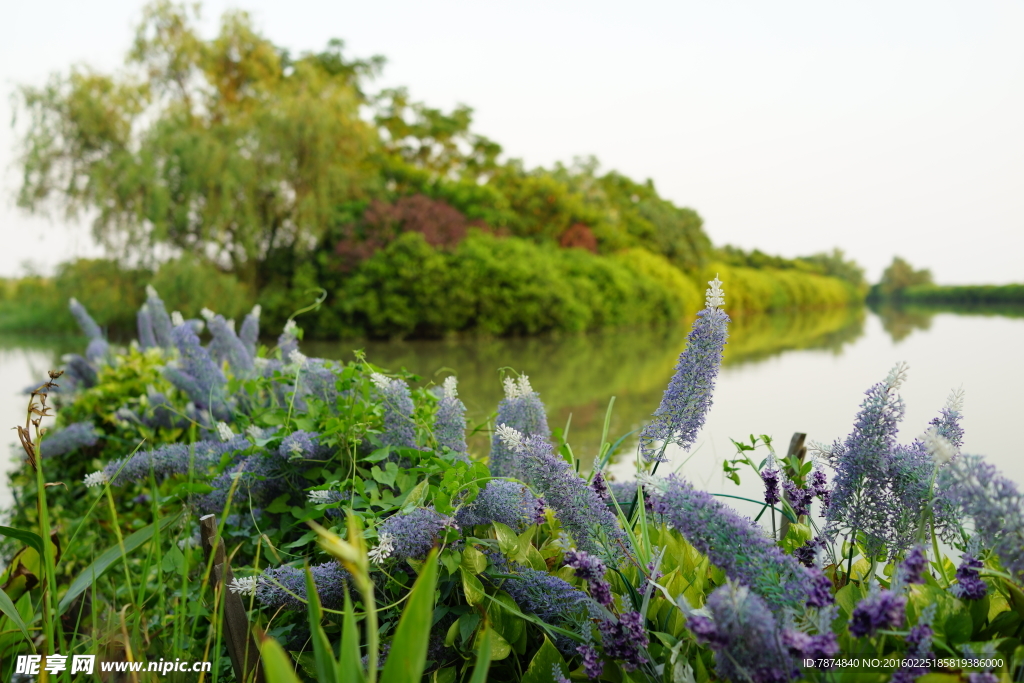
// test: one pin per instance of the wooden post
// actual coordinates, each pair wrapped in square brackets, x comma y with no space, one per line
[244,653]
[797,448]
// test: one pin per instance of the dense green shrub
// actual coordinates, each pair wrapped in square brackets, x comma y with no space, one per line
[769,289]
[113,294]
[963,294]
[503,286]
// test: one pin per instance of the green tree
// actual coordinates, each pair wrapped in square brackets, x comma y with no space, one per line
[226,148]
[900,275]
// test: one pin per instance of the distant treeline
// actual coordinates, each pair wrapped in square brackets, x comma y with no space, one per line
[282,176]
[964,295]
[902,285]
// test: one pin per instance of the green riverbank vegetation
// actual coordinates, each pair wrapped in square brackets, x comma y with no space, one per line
[274,176]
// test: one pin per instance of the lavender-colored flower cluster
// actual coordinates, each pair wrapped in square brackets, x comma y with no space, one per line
[553,600]
[881,609]
[508,502]
[625,638]
[913,566]
[745,637]
[450,420]
[249,334]
[415,533]
[994,503]
[883,489]
[687,398]
[72,437]
[582,513]
[592,664]
[600,486]
[197,375]
[227,347]
[969,584]
[859,494]
[806,646]
[301,445]
[171,459]
[919,647]
[288,341]
[770,477]
[591,570]
[85,322]
[733,543]
[522,410]
[399,428]
[284,586]
[799,499]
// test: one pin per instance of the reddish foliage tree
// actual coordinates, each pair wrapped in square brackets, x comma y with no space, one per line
[440,224]
[579,236]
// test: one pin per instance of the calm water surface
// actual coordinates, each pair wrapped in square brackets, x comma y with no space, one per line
[782,374]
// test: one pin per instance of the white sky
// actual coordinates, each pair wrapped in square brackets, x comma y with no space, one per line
[882,127]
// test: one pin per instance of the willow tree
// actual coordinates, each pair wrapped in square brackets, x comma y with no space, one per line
[225,147]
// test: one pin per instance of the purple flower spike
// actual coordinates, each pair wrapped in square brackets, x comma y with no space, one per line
[625,638]
[72,437]
[450,421]
[733,543]
[770,477]
[399,428]
[879,610]
[592,664]
[979,491]
[800,499]
[600,486]
[583,515]
[591,570]
[687,398]
[745,637]
[914,565]
[523,411]
[969,584]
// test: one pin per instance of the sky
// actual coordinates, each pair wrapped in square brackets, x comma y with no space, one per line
[880,127]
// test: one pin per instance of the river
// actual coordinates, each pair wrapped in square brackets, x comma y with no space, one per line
[782,374]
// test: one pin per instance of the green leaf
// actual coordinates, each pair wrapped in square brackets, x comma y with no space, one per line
[27,537]
[11,612]
[413,630]
[350,667]
[173,560]
[473,560]
[323,655]
[109,557]
[472,587]
[277,665]
[500,613]
[483,657]
[508,541]
[416,496]
[543,662]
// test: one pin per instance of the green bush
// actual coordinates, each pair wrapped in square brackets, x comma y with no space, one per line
[502,286]
[963,294]
[768,289]
[113,294]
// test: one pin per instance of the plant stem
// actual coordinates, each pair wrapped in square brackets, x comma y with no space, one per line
[50,589]
[120,541]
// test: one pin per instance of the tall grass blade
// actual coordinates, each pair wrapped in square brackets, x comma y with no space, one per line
[27,537]
[350,667]
[109,557]
[483,657]
[277,665]
[11,612]
[409,647]
[323,655]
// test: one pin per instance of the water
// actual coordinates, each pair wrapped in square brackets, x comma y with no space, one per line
[782,374]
